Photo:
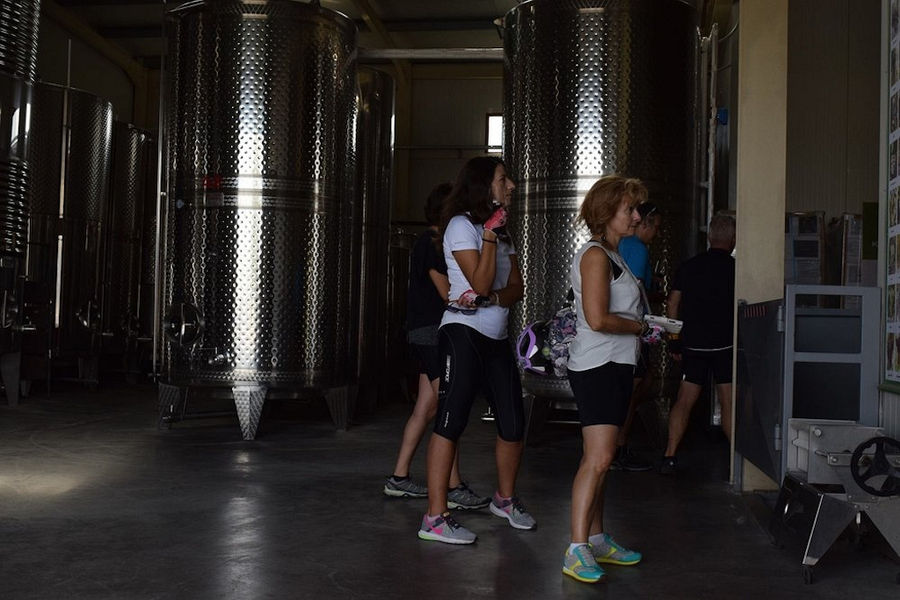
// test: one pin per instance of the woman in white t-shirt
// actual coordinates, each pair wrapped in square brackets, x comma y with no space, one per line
[475,355]
[601,364]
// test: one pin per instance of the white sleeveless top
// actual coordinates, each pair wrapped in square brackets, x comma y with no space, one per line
[591,349]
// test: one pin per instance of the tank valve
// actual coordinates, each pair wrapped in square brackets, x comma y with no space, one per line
[89,315]
[183,324]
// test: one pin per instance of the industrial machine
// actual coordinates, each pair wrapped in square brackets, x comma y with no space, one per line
[836,471]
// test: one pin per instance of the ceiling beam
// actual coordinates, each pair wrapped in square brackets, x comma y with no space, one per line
[376,25]
[439,24]
[132,33]
[405,25]
[84,3]
[442,54]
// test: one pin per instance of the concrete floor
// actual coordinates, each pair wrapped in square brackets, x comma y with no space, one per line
[95,502]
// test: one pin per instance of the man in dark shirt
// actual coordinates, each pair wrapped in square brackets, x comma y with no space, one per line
[703,297]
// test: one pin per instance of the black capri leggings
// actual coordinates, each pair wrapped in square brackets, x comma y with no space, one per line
[471,362]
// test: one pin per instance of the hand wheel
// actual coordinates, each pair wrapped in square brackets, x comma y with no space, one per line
[874,473]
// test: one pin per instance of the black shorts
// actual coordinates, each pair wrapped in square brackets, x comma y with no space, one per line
[602,393]
[472,362]
[696,365]
[643,362]
[428,360]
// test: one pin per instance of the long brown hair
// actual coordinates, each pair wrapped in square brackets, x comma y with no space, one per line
[472,191]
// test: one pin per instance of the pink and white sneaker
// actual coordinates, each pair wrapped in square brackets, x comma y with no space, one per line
[444,528]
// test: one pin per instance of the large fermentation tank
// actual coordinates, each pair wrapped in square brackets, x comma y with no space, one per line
[375,163]
[19,21]
[261,168]
[19,24]
[594,87]
[129,194]
[70,157]
[149,252]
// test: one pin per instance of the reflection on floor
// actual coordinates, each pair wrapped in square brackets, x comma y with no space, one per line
[95,502]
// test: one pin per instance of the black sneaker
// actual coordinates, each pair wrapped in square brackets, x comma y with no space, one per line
[626,461]
[668,466]
[404,488]
[463,498]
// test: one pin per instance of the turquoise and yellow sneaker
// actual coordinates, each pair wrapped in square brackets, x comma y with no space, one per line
[609,551]
[580,564]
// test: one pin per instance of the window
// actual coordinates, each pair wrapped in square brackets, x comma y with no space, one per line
[494,128]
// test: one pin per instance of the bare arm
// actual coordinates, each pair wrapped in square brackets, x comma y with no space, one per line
[441,283]
[595,278]
[673,303]
[515,287]
[479,267]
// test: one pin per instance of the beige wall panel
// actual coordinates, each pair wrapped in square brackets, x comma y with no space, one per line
[761,147]
[864,103]
[90,71]
[761,156]
[448,118]
[453,112]
[817,105]
[833,103]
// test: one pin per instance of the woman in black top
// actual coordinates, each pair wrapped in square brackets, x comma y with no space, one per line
[427,298]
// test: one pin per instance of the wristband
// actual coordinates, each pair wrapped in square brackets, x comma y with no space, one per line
[488,241]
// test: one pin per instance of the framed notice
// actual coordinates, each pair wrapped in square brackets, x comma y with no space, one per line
[892,238]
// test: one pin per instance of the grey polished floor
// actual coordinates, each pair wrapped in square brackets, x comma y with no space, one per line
[95,502]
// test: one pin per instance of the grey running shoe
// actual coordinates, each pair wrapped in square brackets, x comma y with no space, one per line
[513,511]
[626,461]
[580,564]
[463,498]
[445,529]
[610,551]
[404,488]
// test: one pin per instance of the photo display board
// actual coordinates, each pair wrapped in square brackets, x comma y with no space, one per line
[892,241]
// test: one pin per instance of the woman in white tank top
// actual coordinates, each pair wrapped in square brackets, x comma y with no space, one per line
[601,364]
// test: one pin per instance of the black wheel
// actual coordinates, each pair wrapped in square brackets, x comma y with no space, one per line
[873,472]
[807,574]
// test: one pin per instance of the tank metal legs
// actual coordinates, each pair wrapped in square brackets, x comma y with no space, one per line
[341,403]
[249,400]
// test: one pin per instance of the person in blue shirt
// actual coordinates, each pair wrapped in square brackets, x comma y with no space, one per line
[634,247]
[636,254]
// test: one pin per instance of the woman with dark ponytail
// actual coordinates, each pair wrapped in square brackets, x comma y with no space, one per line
[475,356]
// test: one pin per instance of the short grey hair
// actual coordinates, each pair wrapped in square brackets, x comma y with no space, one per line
[721,228]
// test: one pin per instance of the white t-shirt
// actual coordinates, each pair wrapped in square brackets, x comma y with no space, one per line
[462,234]
[591,349]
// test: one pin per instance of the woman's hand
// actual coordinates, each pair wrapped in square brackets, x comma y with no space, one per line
[497,219]
[467,299]
[651,333]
